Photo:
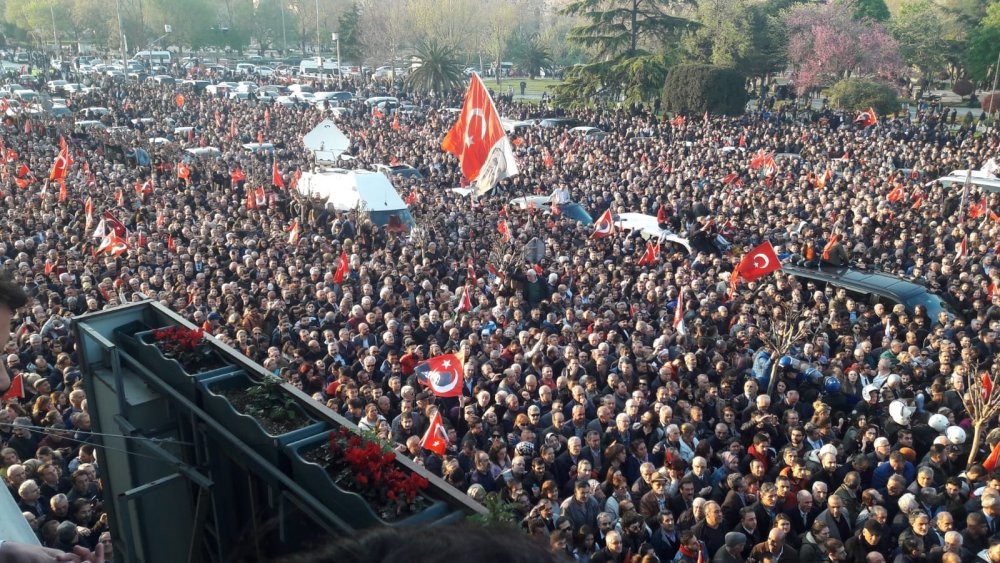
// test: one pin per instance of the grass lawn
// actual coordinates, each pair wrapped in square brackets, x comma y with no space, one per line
[534,87]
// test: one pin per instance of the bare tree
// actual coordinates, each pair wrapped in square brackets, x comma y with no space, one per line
[981,402]
[788,330]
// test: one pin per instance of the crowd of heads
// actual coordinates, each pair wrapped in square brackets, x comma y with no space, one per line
[605,429]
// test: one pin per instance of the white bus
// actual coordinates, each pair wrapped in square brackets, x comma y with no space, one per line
[153,57]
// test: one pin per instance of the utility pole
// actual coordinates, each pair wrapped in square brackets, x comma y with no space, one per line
[317,26]
[55,38]
[340,70]
[993,97]
[284,36]
[121,30]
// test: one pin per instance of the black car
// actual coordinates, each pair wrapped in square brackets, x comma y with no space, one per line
[873,287]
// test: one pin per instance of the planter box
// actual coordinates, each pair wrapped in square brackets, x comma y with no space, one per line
[139,344]
[246,427]
[350,506]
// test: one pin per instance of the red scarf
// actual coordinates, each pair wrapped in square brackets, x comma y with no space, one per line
[688,553]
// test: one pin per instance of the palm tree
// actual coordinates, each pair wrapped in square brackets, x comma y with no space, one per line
[439,70]
[530,55]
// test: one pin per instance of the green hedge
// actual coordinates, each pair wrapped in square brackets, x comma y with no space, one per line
[859,95]
[697,88]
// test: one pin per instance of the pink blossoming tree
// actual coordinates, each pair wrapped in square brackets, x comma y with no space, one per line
[826,44]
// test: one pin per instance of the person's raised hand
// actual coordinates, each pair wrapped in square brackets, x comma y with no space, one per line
[15,552]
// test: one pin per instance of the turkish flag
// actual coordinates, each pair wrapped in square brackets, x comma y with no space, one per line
[867,118]
[260,197]
[276,178]
[650,256]
[115,225]
[294,232]
[470,272]
[464,304]
[59,167]
[897,193]
[16,389]
[436,437]
[88,210]
[604,226]
[343,268]
[171,246]
[479,141]
[987,387]
[757,263]
[443,374]
[251,202]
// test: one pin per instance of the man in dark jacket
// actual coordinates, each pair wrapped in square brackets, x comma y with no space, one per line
[864,542]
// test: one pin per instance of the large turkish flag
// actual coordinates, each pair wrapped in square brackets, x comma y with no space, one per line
[479,141]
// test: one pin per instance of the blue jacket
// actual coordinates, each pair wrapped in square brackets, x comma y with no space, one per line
[884,471]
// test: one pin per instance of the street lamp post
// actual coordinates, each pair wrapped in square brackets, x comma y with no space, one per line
[284,37]
[55,38]
[121,32]
[340,70]
[317,26]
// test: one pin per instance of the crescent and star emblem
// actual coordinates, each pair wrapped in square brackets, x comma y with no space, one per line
[764,259]
[482,127]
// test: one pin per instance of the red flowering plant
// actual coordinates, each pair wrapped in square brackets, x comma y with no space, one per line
[363,465]
[185,345]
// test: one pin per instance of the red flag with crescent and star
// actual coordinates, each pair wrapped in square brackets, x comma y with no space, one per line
[479,140]
[436,437]
[605,225]
[755,264]
[343,268]
[443,374]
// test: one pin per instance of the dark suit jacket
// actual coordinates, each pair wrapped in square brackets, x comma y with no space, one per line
[731,508]
[564,463]
[800,526]
[764,519]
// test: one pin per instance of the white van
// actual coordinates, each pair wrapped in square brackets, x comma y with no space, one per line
[311,67]
[153,57]
[246,68]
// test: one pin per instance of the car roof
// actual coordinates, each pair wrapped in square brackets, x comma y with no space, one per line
[909,293]
[879,282]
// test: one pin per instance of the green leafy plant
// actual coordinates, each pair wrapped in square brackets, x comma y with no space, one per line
[697,88]
[267,400]
[499,513]
[859,95]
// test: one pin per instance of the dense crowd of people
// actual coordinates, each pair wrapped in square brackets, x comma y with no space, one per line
[610,434]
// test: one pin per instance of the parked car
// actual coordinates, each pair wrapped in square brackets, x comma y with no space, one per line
[402,170]
[871,287]
[558,122]
[543,203]
[588,133]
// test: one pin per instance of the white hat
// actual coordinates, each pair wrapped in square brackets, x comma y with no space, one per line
[899,412]
[955,435]
[938,422]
